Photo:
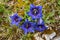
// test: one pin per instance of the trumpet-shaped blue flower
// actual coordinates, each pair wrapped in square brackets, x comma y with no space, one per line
[27,27]
[15,19]
[35,11]
[40,26]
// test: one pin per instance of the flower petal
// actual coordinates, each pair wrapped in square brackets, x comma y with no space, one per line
[39,7]
[40,22]
[30,30]
[32,6]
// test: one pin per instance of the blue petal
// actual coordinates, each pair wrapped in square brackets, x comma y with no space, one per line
[17,23]
[39,7]
[40,22]
[19,19]
[12,23]
[43,28]
[32,16]
[37,28]
[26,20]
[30,30]
[29,13]
[24,29]
[15,14]
[32,6]
[25,32]
[11,17]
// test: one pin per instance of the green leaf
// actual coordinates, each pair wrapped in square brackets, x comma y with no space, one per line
[1,8]
[47,16]
[59,2]
[27,37]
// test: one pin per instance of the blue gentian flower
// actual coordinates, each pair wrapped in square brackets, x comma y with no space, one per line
[40,26]
[27,27]
[35,11]
[15,19]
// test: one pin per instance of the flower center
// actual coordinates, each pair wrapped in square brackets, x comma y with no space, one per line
[35,12]
[16,19]
[40,26]
[28,25]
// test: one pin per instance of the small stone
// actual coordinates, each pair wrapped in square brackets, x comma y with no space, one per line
[38,37]
[49,36]
[52,35]
[59,16]
[57,38]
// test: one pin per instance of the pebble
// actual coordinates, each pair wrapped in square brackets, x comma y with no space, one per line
[57,38]
[49,36]
[38,37]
